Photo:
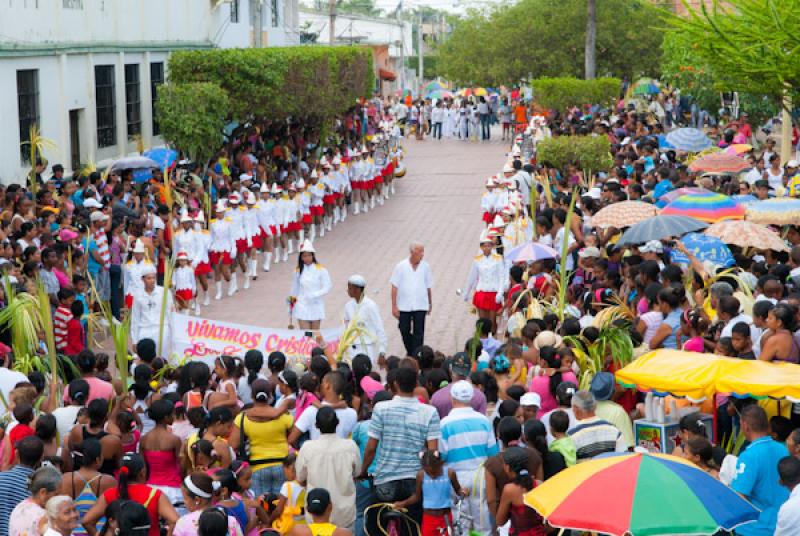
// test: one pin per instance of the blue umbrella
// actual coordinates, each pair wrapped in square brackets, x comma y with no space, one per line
[142,175]
[663,143]
[162,156]
[704,248]
[744,199]
[690,140]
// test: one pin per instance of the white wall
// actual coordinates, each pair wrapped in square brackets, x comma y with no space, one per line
[373,31]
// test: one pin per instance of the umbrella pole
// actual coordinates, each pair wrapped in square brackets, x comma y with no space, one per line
[714,421]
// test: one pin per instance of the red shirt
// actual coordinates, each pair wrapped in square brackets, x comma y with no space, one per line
[20,431]
[74,340]
[144,495]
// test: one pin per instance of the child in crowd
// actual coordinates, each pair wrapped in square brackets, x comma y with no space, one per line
[244,478]
[524,519]
[741,341]
[23,415]
[289,509]
[559,423]
[76,341]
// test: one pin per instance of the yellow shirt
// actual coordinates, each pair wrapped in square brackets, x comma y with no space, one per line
[267,439]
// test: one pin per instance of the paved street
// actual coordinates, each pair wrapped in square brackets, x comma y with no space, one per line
[437,203]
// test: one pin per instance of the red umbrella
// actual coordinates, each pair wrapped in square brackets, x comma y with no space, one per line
[720,163]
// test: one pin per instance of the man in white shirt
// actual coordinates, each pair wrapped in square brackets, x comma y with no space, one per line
[364,313]
[789,514]
[411,297]
[729,312]
[331,388]
[437,118]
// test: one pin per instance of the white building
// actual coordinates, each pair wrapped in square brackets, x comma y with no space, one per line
[87,71]
[390,39]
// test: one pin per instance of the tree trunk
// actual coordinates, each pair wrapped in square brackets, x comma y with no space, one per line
[591,39]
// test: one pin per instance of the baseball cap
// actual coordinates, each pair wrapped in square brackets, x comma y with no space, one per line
[590,251]
[461,364]
[462,391]
[92,203]
[793,163]
[531,399]
[317,501]
[97,216]
[653,246]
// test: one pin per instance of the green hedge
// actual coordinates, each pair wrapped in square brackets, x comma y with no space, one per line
[307,81]
[589,153]
[562,93]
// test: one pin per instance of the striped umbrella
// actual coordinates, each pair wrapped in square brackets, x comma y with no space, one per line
[747,234]
[707,206]
[720,163]
[739,148]
[530,252]
[690,140]
[639,495]
[623,214]
[672,195]
[776,211]
[744,199]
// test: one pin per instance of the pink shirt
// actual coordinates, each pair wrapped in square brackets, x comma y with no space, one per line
[97,389]
[63,279]
[187,525]
[541,386]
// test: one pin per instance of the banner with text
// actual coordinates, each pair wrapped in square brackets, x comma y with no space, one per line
[203,339]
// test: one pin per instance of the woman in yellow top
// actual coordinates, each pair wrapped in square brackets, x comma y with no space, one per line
[318,504]
[266,429]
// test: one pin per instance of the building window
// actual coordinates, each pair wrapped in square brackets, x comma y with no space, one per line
[28,107]
[106,105]
[156,79]
[274,13]
[234,10]
[133,99]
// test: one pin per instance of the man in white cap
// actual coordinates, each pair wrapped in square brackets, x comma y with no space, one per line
[466,442]
[146,312]
[651,251]
[364,313]
[530,404]
[132,273]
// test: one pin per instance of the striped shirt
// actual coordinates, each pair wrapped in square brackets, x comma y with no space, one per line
[467,439]
[60,320]
[13,490]
[594,436]
[402,427]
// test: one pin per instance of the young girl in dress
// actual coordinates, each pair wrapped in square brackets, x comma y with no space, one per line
[524,519]
[236,508]
[185,285]
[226,369]
[244,478]
[287,385]
[291,499]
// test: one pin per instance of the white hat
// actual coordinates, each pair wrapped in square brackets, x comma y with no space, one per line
[587,252]
[98,216]
[148,269]
[357,281]
[92,203]
[323,160]
[251,199]
[300,183]
[275,188]
[498,221]
[220,206]
[531,399]
[364,149]
[314,174]
[462,391]
[234,199]
[516,151]
[182,256]
[185,218]
[337,161]
[486,237]
[490,182]
[653,246]
[595,193]
[307,247]
[792,163]
[508,168]
[264,188]
[626,141]
[138,246]
[245,177]
[200,216]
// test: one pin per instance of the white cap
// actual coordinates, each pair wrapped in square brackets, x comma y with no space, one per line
[264,188]
[314,174]
[462,391]
[97,216]
[508,168]
[92,203]
[300,183]
[490,182]
[531,399]
[251,198]
[220,206]
[185,218]
[653,246]
[626,141]
[486,237]
[275,188]
[148,269]
[307,247]
[364,149]
[234,199]
[138,246]
[357,281]
[590,251]
[200,216]
[792,163]
[516,151]
[245,177]
[595,193]
[182,256]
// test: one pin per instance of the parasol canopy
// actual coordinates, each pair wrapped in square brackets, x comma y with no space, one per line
[623,214]
[658,227]
[432,86]
[704,248]
[776,211]
[531,252]
[719,163]
[165,158]
[696,503]
[672,195]
[439,94]
[706,206]
[690,140]
[644,86]
[739,148]
[747,234]
[466,92]
[744,199]
[134,162]
[480,92]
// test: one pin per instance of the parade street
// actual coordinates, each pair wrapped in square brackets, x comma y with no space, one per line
[437,203]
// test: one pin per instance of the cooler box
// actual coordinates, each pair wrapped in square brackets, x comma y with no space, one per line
[660,437]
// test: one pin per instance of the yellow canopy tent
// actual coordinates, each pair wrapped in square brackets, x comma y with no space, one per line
[760,379]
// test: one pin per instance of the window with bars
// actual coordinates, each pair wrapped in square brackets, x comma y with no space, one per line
[28,107]
[105,105]
[133,103]
[156,79]
[234,10]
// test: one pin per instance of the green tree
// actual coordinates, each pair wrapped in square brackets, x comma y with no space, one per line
[562,93]
[192,117]
[511,43]
[590,153]
[359,7]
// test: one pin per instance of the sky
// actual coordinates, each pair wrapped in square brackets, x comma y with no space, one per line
[454,6]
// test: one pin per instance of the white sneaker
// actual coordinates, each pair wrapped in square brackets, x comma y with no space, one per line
[218,295]
[232,286]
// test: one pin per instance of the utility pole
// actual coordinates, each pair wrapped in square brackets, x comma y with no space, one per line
[331,21]
[258,23]
[420,54]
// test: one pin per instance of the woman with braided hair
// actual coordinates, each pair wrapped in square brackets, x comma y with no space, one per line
[524,519]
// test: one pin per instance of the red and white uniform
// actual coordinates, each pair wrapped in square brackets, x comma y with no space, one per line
[305,207]
[252,227]
[222,247]
[236,215]
[329,181]
[132,279]
[487,277]
[266,217]
[489,206]
[185,285]
[317,192]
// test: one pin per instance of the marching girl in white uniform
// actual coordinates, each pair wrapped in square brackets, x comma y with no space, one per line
[488,201]
[236,214]
[278,239]
[266,222]
[317,191]
[304,205]
[132,273]
[311,283]
[487,278]
[222,250]
[185,285]
[252,231]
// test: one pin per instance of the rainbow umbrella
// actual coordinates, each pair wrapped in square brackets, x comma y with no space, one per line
[439,94]
[431,86]
[639,495]
[466,92]
[480,92]
[672,195]
[739,148]
[710,207]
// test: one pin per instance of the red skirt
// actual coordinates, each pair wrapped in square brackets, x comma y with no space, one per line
[317,210]
[488,217]
[129,301]
[356,185]
[185,294]
[203,268]
[432,525]
[217,257]
[285,228]
[338,195]
[486,301]
[255,241]
[389,169]
[378,179]
[263,234]
[295,226]
[242,246]
[329,199]
[307,219]
[274,230]
[369,185]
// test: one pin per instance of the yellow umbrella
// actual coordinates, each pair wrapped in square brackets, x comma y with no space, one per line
[480,92]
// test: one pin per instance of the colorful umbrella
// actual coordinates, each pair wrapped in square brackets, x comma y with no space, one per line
[704,248]
[625,495]
[431,86]
[744,199]
[739,148]
[623,214]
[658,227]
[165,158]
[466,92]
[706,206]
[439,94]
[747,234]
[480,92]
[672,195]
[530,252]
[776,211]
[690,140]
[720,163]
[645,86]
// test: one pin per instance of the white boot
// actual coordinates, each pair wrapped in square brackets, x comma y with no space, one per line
[254,268]
[366,207]
[392,188]
[355,209]
[232,286]
[322,228]
[302,236]
[344,213]
[336,215]
[380,199]
[196,308]
[205,299]
[285,256]
[247,279]
[267,260]
[372,202]
[289,246]
[218,296]
[313,231]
